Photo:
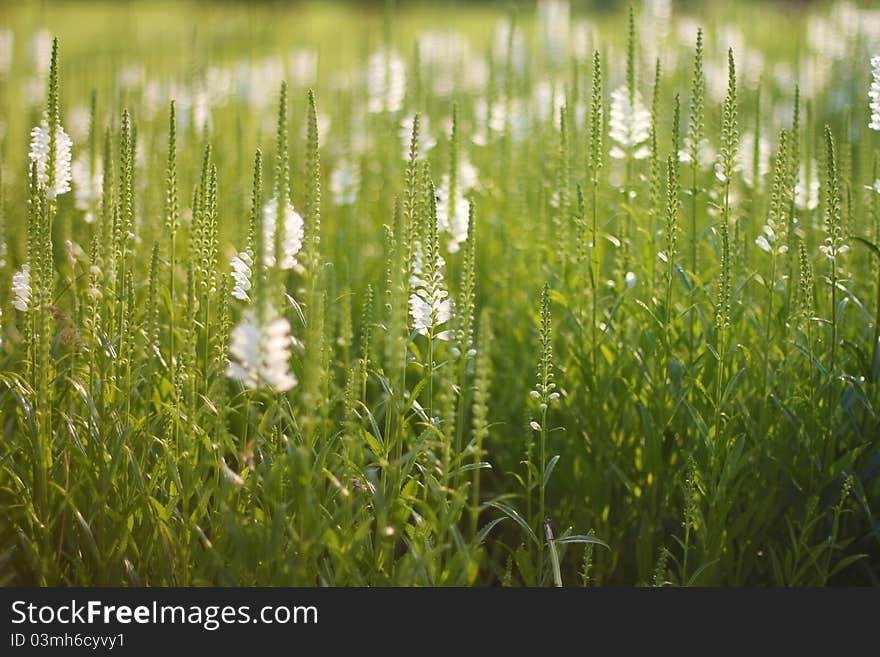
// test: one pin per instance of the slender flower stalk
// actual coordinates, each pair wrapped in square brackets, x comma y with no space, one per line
[774,238]
[833,248]
[724,169]
[694,144]
[655,178]
[595,155]
[429,304]
[463,334]
[545,394]
[805,308]
[315,360]
[835,244]
[668,255]
[480,411]
[171,220]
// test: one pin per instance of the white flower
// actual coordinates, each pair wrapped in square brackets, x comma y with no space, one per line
[807,193]
[95,275]
[830,250]
[427,313]
[447,55]
[291,240]
[770,241]
[834,245]
[21,288]
[467,174]
[291,244]
[452,216]
[39,153]
[386,81]
[629,125]
[874,93]
[500,115]
[453,213]
[489,117]
[241,275]
[746,158]
[261,354]
[201,111]
[429,305]
[345,182]
[87,186]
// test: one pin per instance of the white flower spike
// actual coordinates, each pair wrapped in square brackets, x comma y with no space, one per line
[241,275]
[629,125]
[39,153]
[261,354]
[874,93]
[21,288]
[291,241]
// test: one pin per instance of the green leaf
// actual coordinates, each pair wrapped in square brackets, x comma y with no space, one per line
[873,247]
[484,532]
[549,469]
[514,515]
[582,538]
[699,571]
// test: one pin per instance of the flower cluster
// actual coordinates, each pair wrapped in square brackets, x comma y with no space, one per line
[774,240]
[261,353]
[629,125]
[21,288]
[345,181]
[241,275]
[429,305]
[291,240]
[452,213]
[39,154]
[386,81]
[874,93]
[87,185]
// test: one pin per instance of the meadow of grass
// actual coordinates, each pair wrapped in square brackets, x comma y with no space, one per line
[361,295]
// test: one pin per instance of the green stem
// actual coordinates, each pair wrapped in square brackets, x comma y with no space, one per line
[594,282]
[541,494]
[876,345]
[172,365]
[831,373]
[769,326]
[693,311]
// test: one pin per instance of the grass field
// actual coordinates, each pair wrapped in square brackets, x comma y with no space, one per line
[464,294]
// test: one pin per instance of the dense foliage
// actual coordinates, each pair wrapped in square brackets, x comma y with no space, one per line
[330,296]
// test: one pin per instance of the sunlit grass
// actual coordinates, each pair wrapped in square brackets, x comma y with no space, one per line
[443,295]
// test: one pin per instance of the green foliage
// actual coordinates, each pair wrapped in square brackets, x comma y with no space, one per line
[654,369]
